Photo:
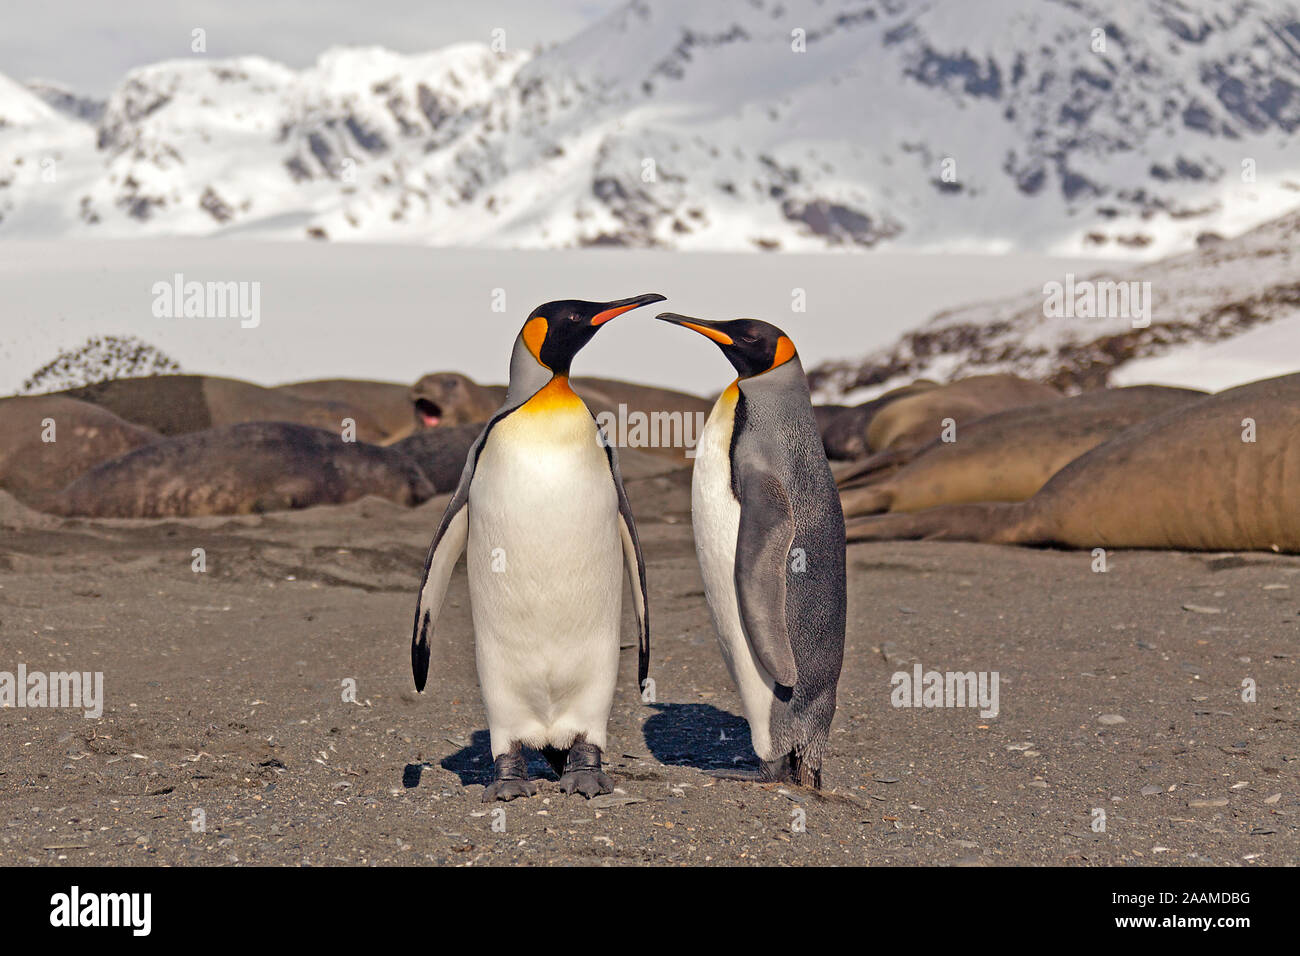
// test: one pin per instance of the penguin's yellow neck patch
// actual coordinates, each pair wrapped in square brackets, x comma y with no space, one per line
[554,396]
[534,335]
[731,394]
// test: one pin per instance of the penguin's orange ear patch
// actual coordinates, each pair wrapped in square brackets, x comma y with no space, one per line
[534,336]
[722,338]
[784,352]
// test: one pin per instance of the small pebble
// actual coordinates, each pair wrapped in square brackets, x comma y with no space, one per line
[614,800]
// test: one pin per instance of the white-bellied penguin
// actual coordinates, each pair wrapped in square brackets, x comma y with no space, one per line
[769,534]
[546,528]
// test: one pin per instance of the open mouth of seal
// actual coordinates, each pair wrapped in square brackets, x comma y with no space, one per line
[428,412]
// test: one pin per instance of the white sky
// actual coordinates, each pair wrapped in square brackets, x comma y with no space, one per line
[89,44]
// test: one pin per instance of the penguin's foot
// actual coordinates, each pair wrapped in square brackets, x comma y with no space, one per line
[511,778]
[582,773]
[589,783]
[508,789]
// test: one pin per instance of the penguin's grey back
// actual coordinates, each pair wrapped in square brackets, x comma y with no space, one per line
[776,431]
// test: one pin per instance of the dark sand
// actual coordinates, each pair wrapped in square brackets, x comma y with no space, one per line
[224,694]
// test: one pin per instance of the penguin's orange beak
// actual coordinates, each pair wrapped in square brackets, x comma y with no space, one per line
[616,308]
[706,329]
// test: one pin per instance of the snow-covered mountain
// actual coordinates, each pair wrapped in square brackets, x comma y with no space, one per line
[64,100]
[1163,321]
[1128,127]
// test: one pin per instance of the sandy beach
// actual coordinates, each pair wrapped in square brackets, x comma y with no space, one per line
[1121,737]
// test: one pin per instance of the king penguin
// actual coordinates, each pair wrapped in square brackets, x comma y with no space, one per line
[544,522]
[769,534]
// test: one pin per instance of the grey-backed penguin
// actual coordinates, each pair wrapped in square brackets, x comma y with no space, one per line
[546,527]
[767,523]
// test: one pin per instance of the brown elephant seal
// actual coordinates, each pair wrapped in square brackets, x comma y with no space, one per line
[450,398]
[440,452]
[386,404]
[844,427]
[181,404]
[243,469]
[1009,455]
[912,421]
[1185,479]
[32,469]
[657,420]
[646,397]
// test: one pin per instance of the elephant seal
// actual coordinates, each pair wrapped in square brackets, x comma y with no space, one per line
[907,424]
[32,469]
[1008,456]
[1186,479]
[440,452]
[181,404]
[450,398]
[844,427]
[386,404]
[646,397]
[242,469]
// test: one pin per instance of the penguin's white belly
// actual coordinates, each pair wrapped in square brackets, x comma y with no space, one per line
[715,516]
[545,573]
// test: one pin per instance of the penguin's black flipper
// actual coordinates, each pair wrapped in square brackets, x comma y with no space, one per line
[762,550]
[444,552]
[635,564]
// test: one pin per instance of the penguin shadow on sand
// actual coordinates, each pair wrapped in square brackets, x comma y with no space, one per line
[699,736]
[473,764]
[680,735]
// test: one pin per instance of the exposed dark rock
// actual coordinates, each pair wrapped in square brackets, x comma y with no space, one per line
[215,206]
[974,78]
[838,223]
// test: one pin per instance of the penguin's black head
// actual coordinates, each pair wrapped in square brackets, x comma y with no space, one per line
[753,347]
[555,331]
